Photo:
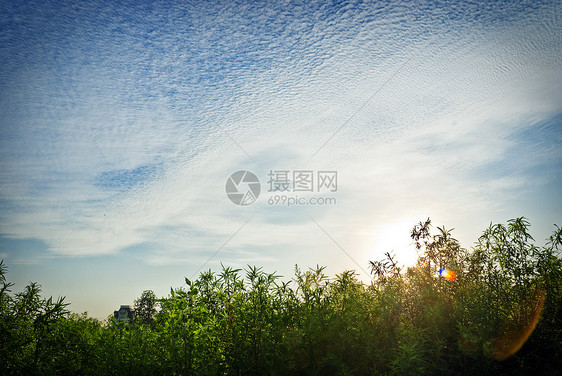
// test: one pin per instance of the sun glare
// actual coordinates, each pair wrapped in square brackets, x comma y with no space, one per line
[395,238]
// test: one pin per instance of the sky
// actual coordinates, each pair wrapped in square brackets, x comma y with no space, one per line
[122,122]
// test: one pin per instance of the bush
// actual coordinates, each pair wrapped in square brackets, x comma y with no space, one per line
[501,315]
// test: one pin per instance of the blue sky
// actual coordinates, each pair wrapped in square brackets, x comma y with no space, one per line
[121,123]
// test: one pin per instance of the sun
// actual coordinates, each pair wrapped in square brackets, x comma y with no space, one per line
[394,238]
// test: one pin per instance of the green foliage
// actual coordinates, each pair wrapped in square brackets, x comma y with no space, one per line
[29,326]
[249,322]
[145,307]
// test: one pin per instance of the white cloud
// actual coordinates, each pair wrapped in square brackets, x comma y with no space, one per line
[160,100]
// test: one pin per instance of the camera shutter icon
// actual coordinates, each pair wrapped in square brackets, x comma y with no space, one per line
[243,188]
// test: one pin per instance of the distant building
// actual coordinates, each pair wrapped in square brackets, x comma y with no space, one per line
[125,313]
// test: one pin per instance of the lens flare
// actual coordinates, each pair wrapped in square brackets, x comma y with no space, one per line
[448,274]
[514,338]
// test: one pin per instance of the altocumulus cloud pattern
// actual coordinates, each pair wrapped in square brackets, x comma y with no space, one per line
[121,120]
